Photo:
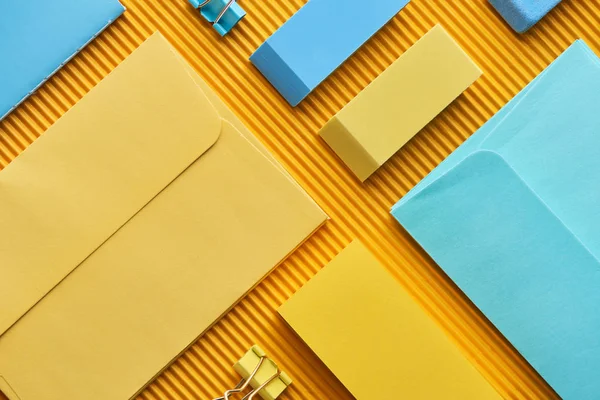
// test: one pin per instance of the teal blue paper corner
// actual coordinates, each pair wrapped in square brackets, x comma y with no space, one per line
[38,37]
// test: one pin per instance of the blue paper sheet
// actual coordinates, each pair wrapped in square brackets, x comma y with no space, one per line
[318,39]
[513,217]
[38,36]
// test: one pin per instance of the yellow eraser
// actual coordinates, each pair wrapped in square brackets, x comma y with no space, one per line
[400,102]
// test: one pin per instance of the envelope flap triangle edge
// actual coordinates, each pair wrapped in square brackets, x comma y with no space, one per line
[208,111]
[95,168]
[481,165]
[6,390]
[493,235]
[488,135]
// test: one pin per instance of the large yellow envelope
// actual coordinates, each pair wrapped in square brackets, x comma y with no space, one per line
[375,339]
[136,221]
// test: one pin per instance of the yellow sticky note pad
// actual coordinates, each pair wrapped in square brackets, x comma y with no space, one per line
[137,220]
[375,338]
[400,102]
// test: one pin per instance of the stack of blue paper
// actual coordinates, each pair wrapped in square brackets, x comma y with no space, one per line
[318,39]
[513,217]
[37,37]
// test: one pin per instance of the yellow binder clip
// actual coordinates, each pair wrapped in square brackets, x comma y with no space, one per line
[261,374]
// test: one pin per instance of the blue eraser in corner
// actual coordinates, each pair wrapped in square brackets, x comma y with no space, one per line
[316,40]
[523,14]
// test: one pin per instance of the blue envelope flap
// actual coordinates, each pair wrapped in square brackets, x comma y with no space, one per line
[551,138]
[549,135]
[577,59]
[522,267]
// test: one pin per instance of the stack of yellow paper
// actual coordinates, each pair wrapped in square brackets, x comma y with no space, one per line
[375,339]
[137,220]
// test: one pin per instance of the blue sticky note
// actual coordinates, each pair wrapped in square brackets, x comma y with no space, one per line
[512,217]
[37,37]
[317,40]
[523,14]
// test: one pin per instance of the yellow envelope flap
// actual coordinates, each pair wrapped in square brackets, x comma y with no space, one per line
[6,390]
[75,186]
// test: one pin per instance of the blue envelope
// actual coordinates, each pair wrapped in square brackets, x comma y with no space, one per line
[513,217]
[37,37]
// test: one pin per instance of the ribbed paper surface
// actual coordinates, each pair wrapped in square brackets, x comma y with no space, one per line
[357,210]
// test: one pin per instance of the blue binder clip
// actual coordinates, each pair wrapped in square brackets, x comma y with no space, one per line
[223,14]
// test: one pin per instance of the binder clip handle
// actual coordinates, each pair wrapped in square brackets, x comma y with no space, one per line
[261,373]
[243,384]
[253,393]
[223,14]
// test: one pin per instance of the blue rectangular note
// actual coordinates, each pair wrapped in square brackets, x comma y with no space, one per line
[318,39]
[513,217]
[37,37]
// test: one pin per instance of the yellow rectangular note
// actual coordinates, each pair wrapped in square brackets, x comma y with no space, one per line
[137,220]
[400,102]
[375,338]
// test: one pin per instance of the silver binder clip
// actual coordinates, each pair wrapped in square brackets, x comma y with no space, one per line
[261,374]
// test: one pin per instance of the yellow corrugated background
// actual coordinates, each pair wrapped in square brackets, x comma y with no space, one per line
[357,210]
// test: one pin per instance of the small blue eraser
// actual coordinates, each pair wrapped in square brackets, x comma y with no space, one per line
[211,11]
[523,14]
[316,40]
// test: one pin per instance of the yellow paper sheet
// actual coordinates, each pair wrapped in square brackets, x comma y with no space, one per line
[158,208]
[400,102]
[375,339]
